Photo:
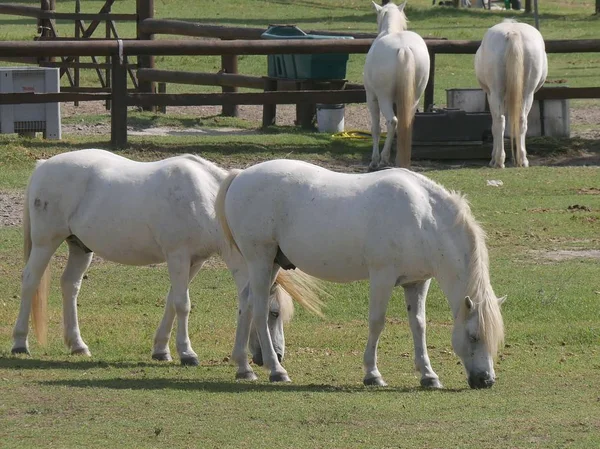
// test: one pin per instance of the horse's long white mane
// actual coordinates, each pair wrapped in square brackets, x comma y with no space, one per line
[479,289]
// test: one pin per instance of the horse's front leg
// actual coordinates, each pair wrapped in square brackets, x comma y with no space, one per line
[381,286]
[160,349]
[415,296]
[261,279]
[179,273]
[242,333]
[79,261]
[373,106]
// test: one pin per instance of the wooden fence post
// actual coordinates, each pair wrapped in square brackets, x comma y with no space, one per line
[45,28]
[229,64]
[430,88]
[145,10]
[118,116]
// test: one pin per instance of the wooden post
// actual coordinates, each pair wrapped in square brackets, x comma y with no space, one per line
[229,64]
[118,116]
[77,36]
[45,28]
[527,5]
[430,88]
[145,10]
[269,110]
[162,89]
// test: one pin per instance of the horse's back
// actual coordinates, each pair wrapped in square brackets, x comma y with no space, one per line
[329,224]
[126,211]
[489,59]
[381,63]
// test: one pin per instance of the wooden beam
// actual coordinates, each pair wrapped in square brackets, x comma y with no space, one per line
[203,79]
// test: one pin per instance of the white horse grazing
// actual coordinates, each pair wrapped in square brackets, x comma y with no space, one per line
[396,72]
[393,227]
[133,213]
[511,65]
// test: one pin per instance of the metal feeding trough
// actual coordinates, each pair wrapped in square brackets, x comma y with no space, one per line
[451,127]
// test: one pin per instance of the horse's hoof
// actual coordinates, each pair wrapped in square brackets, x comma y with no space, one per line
[248,375]
[162,357]
[21,350]
[82,351]
[372,168]
[279,378]
[375,382]
[190,361]
[431,383]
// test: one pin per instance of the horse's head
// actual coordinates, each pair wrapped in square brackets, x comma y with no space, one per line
[390,17]
[281,309]
[478,331]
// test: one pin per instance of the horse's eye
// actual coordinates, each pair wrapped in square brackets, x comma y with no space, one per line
[473,338]
[274,315]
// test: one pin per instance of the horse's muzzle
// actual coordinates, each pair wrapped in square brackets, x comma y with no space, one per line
[481,380]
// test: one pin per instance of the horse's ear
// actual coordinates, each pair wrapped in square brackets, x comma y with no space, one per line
[468,303]
[501,300]
[376,6]
[401,7]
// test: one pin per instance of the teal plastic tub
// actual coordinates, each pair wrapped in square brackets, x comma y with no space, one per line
[309,66]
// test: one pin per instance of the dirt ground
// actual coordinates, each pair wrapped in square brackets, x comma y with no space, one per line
[585,124]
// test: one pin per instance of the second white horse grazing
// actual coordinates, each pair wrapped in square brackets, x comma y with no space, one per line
[511,65]
[393,227]
[134,213]
[396,72]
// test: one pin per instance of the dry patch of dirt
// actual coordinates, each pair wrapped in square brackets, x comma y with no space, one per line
[567,254]
[11,208]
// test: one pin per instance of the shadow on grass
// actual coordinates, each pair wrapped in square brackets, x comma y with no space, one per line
[214,386]
[22,363]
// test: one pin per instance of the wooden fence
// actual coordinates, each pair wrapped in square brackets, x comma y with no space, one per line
[120,50]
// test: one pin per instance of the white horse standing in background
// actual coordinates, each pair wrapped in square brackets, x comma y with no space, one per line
[511,65]
[396,72]
[392,227]
[134,213]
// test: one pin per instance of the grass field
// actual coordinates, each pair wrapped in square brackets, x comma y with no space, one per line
[548,372]
[543,252]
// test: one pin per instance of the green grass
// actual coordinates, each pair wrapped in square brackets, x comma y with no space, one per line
[548,373]
[558,20]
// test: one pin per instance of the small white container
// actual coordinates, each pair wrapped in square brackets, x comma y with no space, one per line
[330,118]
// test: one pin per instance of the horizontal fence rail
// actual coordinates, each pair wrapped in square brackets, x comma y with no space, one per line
[120,97]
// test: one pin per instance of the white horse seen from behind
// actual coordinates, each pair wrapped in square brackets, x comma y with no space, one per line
[392,227]
[134,213]
[511,65]
[396,72]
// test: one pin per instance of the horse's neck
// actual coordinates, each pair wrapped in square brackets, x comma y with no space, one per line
[393,22]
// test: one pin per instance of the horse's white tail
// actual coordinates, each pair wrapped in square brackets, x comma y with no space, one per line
[405,101]
[220,208]
[513,100]
[39,305]
[303,289]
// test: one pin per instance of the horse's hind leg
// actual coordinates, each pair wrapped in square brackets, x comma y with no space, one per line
[242,333]
[522,157]
[160,349]
[498,125]
[381,285]
[70,282]
[373,106]
[179,273]
[415,296]
[261,273]
[32,274]
[387,109]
